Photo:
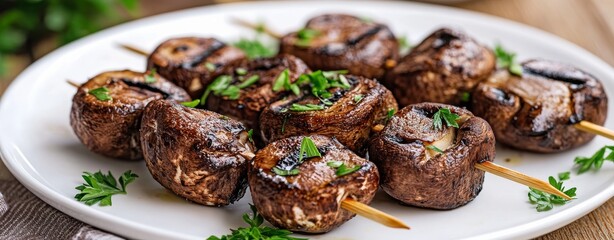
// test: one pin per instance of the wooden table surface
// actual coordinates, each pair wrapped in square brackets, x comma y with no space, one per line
[587,23]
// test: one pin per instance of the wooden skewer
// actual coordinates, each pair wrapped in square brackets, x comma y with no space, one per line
[134,49]
[512,175]
[595,129]
[257,27]
[361,208]
[74,84]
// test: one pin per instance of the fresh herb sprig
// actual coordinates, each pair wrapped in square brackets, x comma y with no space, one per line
[99,188]
[222,86]
[256,231]
[595,162]
[101,93]
[506,59]
[546,201]
[444,115]
[342,169]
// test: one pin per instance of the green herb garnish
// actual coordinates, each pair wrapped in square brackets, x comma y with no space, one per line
[151,77]
[101,93]
[221,86]
[217,86]
[546,201]
[191,104]
[358,98]
[564,176]
[465,96]
[305,36]
[444,115]
[404,45]
[342,169]
[281,172]
[249,81]
[308,149]
[241,71]
[255,48]
[390,114]
[304,108]
[282,82]
[507,60]
[210,66]
[596,161]
[99,188]
[256,231]
[250,133]
[434,148]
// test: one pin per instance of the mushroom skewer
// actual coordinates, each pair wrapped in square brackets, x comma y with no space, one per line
[361,208]
[429,153]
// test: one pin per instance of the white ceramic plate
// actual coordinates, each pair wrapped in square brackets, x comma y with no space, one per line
[40,149]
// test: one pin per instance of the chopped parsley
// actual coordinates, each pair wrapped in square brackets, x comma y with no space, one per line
[99,188]
[308,149]
[191,104]
[101,93]
[210,66]
[546,201]
[594,162]
[281,172]
[342,169]
[465,96]
[507,60]
[241,71]
[250,133]
[358,98]
[390,114]
[434,148]
[151,77]
[255,48]
[444,115]
[404,45]
[249,81]
[305,108]
[305,36]
[282,82]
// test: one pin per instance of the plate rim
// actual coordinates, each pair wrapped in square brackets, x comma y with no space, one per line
[123,227]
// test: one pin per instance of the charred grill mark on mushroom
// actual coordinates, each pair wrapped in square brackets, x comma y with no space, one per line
[341,41]
[192,63]
[254,98]
[415,173]
[347,119]
[111,127]
[443,67]
[309,201]
[197,154]
[537,111]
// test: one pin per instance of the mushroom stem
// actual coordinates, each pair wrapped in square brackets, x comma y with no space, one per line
[257,27]
[520,178]
[372,213]
[134,49]
[74,84]
[595,129]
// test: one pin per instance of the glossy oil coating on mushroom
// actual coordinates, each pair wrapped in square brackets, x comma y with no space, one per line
[306,196]
[192,63]
[106,110]
[349,118]
[425,166]
[338,41]
[537,111]
[443,68]
[253,81]
[197,154]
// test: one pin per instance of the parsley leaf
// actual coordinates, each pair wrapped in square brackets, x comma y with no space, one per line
[304,108]
[250,133]
[390,114]
[241,71]
[282,82]
[434,148]
[595,162]
[249,81]
[546,201]
[191,104]
[507,60]
[444,114]
[308,149]
[255,230]
[210,66]
[358,98]
[281,172]
[342,169]
[99,188]
[222,86]
[404,45]
[101,93]
[151,77]
[255,48]
[305,36]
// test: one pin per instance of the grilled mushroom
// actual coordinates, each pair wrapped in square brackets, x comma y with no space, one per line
[255,80]
[338,41]
[537,111]
[349,119]
[106,110]
[306,196]
[197,154]
[432,168]
[192,62]
[445,67]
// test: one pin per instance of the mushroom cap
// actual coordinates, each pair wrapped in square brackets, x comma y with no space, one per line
[418,176]
[311,200]
[347,120]
[197,154]
[345,42]
[537,111]
[111,127]
[442,68]
[184,61]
